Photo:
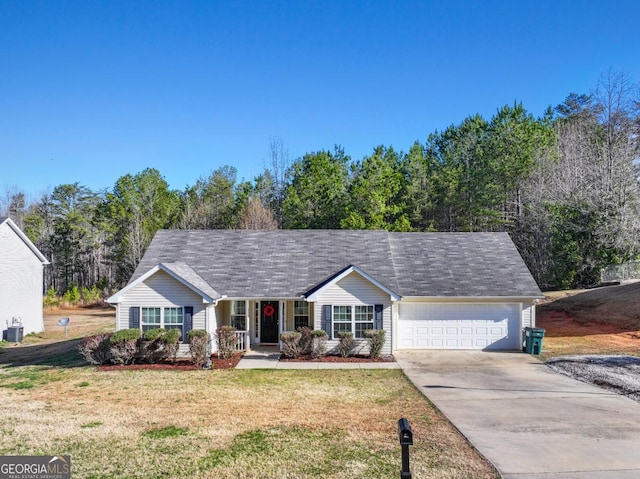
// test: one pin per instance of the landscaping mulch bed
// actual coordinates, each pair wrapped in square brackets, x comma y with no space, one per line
[232,362]
[180,365]
[339,359]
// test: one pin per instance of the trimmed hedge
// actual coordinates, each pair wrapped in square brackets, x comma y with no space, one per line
[318,343]
[226,338]
[170,341]
[198,346]
[375,338]
[96,349]
[124,335]
[347,344]
[123,345]
[306,340]
[291,344]
[153,334]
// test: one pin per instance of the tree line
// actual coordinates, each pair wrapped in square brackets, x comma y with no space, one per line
[564,185]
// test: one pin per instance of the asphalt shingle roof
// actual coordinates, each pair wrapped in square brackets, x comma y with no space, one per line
[288,263]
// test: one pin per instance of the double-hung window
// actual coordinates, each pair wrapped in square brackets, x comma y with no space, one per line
[173,319]
[342,320]
[353,319]
[239,315]
[167,318]
[300,315]
[150,318]
[363,320]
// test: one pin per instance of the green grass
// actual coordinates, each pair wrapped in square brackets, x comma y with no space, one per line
[164,432]
[91,424]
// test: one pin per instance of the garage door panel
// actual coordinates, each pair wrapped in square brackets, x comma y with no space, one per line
[459,326]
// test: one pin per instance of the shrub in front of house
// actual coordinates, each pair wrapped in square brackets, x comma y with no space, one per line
[306,340]
[318,343]
[198,346]
[226,339]
[150,347]
[170,342]
[375,338]
[347,344]
[123,345]
[96,349]
[290,344]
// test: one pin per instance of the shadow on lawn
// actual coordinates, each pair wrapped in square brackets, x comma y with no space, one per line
[59,354]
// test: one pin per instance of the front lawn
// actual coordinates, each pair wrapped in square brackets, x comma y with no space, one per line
[227,423]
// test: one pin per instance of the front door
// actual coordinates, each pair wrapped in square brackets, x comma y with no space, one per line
[269,321]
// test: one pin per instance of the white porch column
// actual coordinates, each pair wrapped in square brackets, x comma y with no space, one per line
[247,324]
[211,324]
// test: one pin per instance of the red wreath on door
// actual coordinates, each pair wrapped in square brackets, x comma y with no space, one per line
[268,310]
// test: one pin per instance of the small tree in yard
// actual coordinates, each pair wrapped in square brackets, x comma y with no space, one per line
[291,344]
[375,338]
[123,345]
[346,344]
[198,344]
[319,343]
[226,338]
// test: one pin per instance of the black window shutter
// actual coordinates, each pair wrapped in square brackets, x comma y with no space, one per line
[326,319]
[134,317]
[378,316]
[187,323]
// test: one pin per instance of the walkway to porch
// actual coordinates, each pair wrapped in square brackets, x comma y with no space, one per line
[268,357]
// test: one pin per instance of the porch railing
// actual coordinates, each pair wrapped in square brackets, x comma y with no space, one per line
[242,340]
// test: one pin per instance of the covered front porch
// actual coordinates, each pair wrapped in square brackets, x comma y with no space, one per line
[259,321]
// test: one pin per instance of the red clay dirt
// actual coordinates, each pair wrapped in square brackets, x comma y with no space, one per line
[567,333]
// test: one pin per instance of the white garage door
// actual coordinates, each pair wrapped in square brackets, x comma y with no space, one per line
[459,326]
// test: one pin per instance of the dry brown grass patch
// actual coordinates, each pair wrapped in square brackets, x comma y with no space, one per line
[346,420]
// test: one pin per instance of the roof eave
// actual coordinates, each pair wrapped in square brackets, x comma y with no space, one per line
[117,298]
[470,299]
[312,294]
[26,240]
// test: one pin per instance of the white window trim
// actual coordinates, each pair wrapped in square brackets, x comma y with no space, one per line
[162,324]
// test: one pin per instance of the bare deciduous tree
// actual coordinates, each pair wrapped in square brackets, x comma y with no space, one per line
[256,216]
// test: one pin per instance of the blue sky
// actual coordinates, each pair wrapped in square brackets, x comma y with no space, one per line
[93,90]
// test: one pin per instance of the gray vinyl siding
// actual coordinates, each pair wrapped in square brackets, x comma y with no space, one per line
[20,283]
[355,290]
[161,290]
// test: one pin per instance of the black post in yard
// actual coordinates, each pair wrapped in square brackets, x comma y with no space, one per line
[405,436]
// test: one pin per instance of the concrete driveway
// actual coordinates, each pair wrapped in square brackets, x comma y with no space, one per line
[529,421]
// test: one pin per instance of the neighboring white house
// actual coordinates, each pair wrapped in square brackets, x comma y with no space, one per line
[426,290]
[21,280]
